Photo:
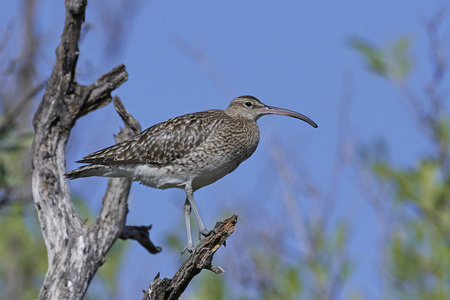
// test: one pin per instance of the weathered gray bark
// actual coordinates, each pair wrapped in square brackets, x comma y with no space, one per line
[75,250]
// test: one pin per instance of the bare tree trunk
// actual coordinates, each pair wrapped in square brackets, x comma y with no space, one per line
[75,251]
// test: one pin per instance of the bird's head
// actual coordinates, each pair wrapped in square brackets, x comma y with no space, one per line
[251,108]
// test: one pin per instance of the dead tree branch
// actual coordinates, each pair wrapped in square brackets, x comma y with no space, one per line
[202,257]
[141,235]
[75,251]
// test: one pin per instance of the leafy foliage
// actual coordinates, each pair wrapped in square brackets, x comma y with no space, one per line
[418,258]
[420,252]
[393,62]
[23,258]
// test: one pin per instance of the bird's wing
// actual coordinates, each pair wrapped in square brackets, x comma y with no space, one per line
[163,142]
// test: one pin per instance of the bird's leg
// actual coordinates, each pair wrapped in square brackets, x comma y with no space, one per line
[201,226]
[187,219]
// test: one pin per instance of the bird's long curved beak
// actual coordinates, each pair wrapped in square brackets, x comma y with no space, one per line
[271,110]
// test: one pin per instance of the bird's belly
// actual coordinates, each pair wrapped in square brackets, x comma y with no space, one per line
[208,176]
[176,176]
[200,169]
[161,177]
[210,168]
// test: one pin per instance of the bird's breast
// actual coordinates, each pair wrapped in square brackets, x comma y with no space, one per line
[222,154]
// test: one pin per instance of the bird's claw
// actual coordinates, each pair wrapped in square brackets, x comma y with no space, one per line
[204,232]
[189,248]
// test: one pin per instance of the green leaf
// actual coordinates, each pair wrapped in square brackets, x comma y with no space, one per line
[401,61]
[372,54]
[392,62]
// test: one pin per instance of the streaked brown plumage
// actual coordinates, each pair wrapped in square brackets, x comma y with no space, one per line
[189,151]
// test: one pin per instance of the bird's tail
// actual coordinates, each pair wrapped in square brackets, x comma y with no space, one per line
[88,171]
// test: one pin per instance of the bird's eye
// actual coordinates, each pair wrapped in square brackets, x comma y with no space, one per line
[248,104]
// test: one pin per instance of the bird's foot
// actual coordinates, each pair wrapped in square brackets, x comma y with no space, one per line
[204,232]
[189,247]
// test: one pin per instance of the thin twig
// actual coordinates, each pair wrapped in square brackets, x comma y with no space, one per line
[140,234]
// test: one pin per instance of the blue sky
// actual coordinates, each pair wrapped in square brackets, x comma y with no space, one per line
[292,54]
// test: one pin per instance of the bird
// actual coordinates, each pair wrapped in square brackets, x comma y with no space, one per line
[187,152]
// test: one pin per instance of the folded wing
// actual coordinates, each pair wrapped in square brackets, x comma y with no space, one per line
[161,143]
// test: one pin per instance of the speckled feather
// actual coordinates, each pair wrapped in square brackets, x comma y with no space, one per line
[164,142]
